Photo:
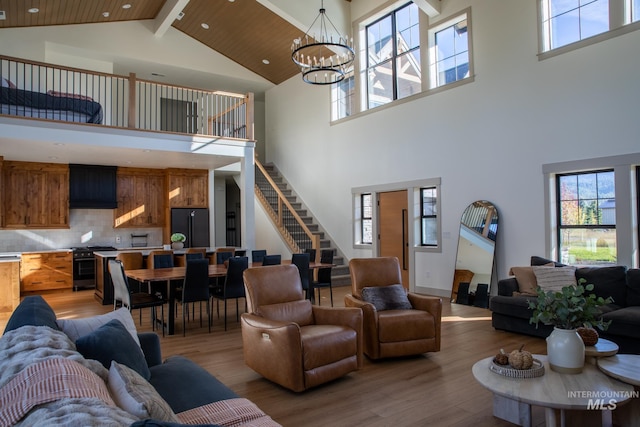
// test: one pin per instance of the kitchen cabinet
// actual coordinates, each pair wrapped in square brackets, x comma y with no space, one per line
[36,195]
[43,271]
[9,285]
[188,188]
[140,198]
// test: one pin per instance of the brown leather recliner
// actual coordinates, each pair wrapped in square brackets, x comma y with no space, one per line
[291,342]
[393,333]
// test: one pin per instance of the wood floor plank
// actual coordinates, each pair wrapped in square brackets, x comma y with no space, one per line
[435,389]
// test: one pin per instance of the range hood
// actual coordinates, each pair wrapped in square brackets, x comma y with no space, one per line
[92,187]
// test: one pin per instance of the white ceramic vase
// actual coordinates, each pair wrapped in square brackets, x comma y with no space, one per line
[177,245]
[565,351]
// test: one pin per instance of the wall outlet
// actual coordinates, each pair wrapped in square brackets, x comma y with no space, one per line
[118,239]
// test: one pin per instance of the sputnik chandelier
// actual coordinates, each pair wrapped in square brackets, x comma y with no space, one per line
[323,58]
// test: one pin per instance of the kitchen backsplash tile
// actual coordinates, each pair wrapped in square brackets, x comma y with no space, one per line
[88,227]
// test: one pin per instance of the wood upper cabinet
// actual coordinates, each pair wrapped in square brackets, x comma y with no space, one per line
[140,198]
[188,188]
[36,195]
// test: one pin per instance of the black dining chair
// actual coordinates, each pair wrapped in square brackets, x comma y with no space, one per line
[222,256]
[312,254]
[272,260]
[195,288]
[133,300]
[233,287]
[324,275]
[463,293]
[257,255]
[302,262]
[482,296]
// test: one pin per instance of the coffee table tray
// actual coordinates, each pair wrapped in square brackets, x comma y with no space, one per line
[537,370]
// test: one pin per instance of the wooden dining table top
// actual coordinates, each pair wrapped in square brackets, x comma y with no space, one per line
[175,273]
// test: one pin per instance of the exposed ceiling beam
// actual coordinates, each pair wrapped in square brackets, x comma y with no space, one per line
[167,15]
[430,7]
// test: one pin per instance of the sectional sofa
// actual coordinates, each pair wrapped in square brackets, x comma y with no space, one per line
[100,371]
[510,311]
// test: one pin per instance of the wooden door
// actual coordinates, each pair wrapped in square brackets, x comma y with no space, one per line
[393,230]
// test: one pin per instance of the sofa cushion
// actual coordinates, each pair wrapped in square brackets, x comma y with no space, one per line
[75,328]
[315,340]
[390,297]
[633,287]
[625,322]
[516,306]
[113,342]
[536,260]
[554,278]
[527,282]
[34,311]
[407,325]
[135,395]
[185,385]
[607,281]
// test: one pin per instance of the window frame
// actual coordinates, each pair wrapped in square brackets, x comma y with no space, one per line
[621,22]
[561,227]
[364,218]
[424,216]
[432,46]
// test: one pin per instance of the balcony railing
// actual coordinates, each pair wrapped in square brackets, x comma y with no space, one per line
[50,92]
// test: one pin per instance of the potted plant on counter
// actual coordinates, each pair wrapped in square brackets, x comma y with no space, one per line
[177,240]
[567,310]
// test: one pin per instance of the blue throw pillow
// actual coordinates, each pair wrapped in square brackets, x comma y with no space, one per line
[392,297]
[32,311]
[112,341]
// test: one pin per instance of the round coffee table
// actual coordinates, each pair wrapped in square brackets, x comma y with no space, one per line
[513,397]
[603,348]
[623,367]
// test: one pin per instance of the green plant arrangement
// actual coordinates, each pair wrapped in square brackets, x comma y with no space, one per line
[569,308]
[178,237]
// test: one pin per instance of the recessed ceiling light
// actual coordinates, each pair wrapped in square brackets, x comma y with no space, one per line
[265,61]
[205,25]
[231,1]
[59,144]
[53,158]
[105,14]
[146,151]
[33,10]
[126,6]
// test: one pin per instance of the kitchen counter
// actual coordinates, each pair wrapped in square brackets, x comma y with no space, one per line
[10,257]
[9,282]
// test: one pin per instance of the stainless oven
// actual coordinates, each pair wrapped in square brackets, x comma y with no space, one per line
[84,266]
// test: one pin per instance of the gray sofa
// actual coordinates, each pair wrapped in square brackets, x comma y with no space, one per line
[185,387]
[511,313]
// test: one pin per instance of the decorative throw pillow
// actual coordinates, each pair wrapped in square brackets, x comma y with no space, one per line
[135,395]
[113,342]
[76,328]
[527,283]
[554,278]
[391,297]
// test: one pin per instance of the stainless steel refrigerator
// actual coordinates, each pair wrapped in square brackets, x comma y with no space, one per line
[193,223]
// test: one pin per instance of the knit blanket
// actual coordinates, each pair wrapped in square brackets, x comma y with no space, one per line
[39,372]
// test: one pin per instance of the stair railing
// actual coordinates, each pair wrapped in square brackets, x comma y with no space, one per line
[284,216]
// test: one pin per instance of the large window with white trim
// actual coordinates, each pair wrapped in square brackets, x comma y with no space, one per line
[565,22]
[449,51]
[586,219]
[429,216]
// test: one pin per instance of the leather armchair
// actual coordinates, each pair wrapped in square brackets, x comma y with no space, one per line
[291,342]
[393,333]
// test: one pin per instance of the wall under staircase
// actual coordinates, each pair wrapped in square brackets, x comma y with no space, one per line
[265,193]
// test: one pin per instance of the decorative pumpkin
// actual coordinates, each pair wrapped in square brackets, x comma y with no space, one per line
[589,335]
[519,359]
[501,358]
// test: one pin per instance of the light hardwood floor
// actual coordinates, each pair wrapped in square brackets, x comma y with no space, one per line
[435,389]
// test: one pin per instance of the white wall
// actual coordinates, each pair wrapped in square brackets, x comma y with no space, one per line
[485,140]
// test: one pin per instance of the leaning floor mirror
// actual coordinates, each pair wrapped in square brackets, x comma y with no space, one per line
[475,256]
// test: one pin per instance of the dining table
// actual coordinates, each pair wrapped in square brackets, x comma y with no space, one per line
[173,277]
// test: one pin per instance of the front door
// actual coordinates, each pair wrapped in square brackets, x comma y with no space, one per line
[394,233]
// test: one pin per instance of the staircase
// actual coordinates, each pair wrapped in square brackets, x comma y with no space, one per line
[298,228]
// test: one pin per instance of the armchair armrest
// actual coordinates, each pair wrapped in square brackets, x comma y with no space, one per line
[150,343]
[506,287]
[432,305]
[273,349]
[348,316]
[369,321]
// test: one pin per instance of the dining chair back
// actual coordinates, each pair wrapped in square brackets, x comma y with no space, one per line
[195,288]
[233,287]
[222,256]
[463,293]
[324,275]
[133,300]
[302,262]
[257,255]
[481,298]
[132,261]
[312,254]
[272,260]
[189,253]
[160,259]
